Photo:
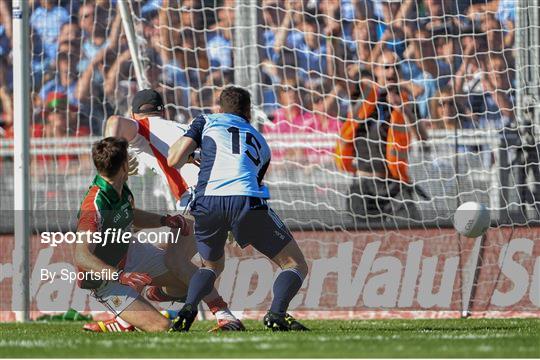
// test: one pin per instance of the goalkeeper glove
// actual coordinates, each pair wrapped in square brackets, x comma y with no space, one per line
[176,222]
[135,280]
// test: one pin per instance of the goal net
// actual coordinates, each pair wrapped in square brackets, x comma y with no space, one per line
[382,116]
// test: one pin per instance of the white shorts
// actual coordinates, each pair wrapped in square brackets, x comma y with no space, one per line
[141,257]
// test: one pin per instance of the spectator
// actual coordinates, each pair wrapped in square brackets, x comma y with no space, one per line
[219,78]
[424,52]
[380,143]
[486,78]
[271,80]
[288,119]
[496,40]
[121,83]
[446,53]
[438,13]
[5,28]
[289,116]
[505,10]
[496,85]
[182,51]
[317,122]
[220,46]
[59,120]
[184,15]
[185,67]
[389,30]
[422,85]
[93,22]
[337,34]
[61,117]
[71,47]
[272,15]
[203,101]
[150,28]
[69,40]
[335,96]
[446,110]
[299,38]
[318,119]
[338,16]
[363,39]
[90,87]
[468,77]
[6,113]
[47,20]
[70,31]
[5,73]
[65,80]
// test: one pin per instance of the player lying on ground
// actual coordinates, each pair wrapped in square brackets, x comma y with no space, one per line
[230,196]
[108,207]
[150,136]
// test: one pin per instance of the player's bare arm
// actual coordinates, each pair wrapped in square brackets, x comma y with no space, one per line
[120,126]
[180,152]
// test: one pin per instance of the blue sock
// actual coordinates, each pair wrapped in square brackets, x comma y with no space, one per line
[200,285]
[286,286]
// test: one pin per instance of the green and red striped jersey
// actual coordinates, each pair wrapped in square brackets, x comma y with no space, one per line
[103,208]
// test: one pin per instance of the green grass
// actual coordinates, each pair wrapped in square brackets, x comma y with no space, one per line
[374,338]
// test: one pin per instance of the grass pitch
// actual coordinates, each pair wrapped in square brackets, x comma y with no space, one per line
[373,338]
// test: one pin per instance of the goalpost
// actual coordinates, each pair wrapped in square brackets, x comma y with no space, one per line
[127,21]
[21,206]
[407,259]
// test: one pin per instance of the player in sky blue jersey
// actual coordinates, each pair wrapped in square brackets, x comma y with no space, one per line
[230,196]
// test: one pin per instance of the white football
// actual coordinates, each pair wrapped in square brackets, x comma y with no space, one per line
[471,219]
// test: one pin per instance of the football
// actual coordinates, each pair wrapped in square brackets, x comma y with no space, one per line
[471,219]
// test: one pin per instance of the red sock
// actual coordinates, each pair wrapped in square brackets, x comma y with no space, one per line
[216,304]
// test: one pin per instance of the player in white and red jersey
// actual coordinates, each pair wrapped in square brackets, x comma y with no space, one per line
[151,145]
[150,136]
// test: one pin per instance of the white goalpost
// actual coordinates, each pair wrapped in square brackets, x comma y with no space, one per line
[21,166]
[127,21]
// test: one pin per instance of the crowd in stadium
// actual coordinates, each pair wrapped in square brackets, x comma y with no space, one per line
[453,59]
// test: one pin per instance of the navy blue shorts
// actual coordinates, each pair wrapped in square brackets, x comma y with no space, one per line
[250,220]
